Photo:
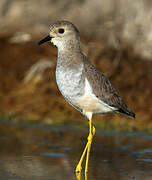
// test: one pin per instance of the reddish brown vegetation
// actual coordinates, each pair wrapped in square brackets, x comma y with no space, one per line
[39,98]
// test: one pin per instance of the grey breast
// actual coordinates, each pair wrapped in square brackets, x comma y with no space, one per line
[70,81]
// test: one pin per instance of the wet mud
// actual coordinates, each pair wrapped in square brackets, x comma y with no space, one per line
[43,152]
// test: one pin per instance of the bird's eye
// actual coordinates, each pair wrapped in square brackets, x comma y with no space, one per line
[61,30]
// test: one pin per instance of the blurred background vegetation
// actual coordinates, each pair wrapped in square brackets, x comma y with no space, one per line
[117,38]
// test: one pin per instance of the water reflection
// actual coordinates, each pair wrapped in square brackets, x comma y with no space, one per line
[30,152]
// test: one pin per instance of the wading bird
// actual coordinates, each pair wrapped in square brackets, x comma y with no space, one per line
[82,84]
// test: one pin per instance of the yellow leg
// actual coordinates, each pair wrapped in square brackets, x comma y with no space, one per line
[90,137]
[87,149]
[79,166]
[86,176]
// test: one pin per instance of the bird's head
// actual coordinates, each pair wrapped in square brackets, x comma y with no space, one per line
[61,33]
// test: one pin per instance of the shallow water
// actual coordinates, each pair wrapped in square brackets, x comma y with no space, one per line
[40,152]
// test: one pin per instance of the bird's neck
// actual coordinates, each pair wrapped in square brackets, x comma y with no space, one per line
[70,45]
[69,53]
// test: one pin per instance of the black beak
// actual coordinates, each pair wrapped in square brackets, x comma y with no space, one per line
[47,38]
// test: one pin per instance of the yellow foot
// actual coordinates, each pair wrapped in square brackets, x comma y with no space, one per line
[78,176]
[78,168]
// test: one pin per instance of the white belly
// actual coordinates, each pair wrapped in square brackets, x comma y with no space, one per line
[89,103]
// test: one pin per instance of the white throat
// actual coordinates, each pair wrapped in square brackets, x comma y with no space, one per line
[59,44]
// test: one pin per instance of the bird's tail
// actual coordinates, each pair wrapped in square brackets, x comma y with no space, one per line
[127,113]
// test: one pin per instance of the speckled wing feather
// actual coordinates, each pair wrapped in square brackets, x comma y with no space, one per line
[104,90]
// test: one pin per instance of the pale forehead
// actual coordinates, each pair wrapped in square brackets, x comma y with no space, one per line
[64,24]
